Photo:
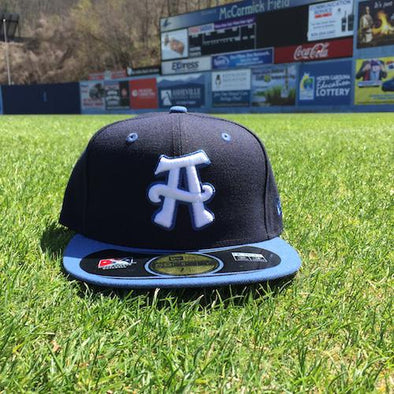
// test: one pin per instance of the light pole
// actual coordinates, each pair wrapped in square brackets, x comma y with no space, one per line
[7,59]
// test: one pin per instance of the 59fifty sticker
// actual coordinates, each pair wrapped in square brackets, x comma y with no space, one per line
[184,264]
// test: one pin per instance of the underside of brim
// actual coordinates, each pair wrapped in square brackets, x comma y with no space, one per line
[109,265]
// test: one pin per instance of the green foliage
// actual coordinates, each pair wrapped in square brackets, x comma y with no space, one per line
[273,96]
[329,330]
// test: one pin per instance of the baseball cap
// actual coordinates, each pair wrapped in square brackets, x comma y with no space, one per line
[174,199]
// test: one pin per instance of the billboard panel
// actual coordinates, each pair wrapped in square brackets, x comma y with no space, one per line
[174,45]
[219,37]
[273,85]
[374,81]
[229,11]
[114,74]
[116,95]
[330,20]
[187,90]
[375,24]
[326,83]
[243,59]
[315,51]
[230,88]
[282,28]
[143,93]
[92,95]
[197,64]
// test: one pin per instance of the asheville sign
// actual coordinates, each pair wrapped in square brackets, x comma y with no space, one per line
[326,83]
[187,90]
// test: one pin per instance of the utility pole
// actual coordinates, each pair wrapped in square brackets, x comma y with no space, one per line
[7,59]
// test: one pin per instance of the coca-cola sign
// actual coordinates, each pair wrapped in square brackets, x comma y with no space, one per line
[318,51]
[315,51]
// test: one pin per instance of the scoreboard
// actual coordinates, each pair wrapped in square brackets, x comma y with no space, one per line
[231,36]
[284,27]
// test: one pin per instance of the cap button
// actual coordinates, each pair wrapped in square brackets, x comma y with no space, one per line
[178,109]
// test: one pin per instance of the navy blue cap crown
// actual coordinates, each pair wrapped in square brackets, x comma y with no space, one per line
[176,181]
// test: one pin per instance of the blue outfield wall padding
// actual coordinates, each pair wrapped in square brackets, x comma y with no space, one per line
[1,100]
[60,98]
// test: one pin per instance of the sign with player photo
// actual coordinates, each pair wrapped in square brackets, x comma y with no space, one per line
[186,90]
[116,95]
[92,96]
[174,45]
[231,88]
[243,59]
[228,36]
[374,81]
[375,24]
[273,85]
[330,20]
[143,93]
[327,83]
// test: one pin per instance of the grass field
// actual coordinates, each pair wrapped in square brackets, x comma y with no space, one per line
[328,330]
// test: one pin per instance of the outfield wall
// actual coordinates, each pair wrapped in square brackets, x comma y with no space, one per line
[265,56]
[61,98]
[252,56]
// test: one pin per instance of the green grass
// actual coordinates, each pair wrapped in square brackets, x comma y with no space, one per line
[329,330]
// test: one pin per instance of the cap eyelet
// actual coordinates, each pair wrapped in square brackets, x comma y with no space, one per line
[226,137]
[132,137]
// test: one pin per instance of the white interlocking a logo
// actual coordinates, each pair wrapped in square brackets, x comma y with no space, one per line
[170,194]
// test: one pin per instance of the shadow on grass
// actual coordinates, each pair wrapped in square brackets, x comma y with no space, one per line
[55,239]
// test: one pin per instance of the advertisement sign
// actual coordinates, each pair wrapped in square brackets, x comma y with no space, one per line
[116,95]
[230,11]
[273,85]
[230,88]
[330,20]
[374,81]
[243,59]
[117,74]
[92,95]
[219,37]
[197,64]
[325,83]
[187,90]
[375,24]
[282,28]
[174,45]
[143,93]
[143,70]
[315,51]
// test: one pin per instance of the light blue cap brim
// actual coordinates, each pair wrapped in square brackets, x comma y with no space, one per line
[80,247]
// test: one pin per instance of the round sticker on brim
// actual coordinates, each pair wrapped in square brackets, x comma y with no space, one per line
[184,264]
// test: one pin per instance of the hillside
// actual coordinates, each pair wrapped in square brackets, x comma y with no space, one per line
[65,40]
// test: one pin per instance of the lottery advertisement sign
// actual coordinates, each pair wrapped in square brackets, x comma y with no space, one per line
[326,83]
